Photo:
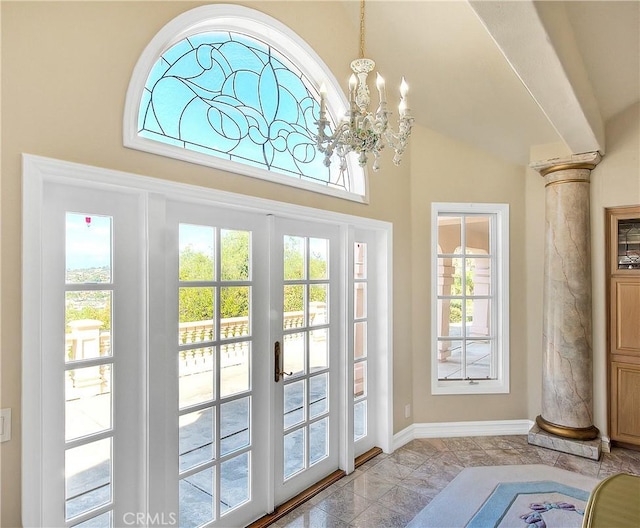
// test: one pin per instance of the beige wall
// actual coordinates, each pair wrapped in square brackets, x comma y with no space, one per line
[614,182]
[445,170]
[65,71]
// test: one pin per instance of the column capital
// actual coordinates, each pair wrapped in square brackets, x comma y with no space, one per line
[587,160]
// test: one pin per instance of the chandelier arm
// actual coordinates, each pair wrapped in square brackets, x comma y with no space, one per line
[327,144]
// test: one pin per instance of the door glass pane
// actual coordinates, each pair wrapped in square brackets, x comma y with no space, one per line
[234,368]
[88,324]
[234,312]
[235,251]
[360,300]
[234,482]
[88,248]
[294,452]
[360,260]
[197,437]
[360,420]
[196,371]
[294,258]
[197,260]
[196,494]
[628,234]
[234,425]
[318,395]
[360,379]
[318,258]
[88,401]
[196,315]
[101,521]
[87,477]
[293,359]
[318,349]
[318,304]
[318,440]
[294,306]
[294,403]
[360,339]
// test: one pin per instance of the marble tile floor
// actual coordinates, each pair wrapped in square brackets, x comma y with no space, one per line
[389,490]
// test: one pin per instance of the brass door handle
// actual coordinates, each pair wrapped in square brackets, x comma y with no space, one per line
[276,368]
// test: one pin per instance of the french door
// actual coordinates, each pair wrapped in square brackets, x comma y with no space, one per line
[199,363]
[307,331]
[92,333]
[216,317]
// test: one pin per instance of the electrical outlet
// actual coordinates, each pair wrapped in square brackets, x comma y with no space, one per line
[407,410]
[5,425]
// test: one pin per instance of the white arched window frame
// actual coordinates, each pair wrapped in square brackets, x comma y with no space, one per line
[233,18]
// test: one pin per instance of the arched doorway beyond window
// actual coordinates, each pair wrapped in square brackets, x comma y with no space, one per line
[229,87]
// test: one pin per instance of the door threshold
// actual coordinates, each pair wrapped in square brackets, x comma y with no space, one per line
[290,505]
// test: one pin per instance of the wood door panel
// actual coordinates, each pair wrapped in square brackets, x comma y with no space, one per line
[625,388]
[623,327]
[625,315]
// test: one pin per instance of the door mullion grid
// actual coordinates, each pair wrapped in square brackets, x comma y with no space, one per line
[156,411]
[91,514]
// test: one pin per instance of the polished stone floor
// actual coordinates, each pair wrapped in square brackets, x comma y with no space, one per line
[390,490]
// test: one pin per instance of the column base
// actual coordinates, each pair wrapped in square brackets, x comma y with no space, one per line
[573,433]
[584,448]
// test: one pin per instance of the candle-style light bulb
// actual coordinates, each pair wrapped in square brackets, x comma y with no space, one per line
[402,108]
[353,81]
[404,88]
[323,100]
[381,88]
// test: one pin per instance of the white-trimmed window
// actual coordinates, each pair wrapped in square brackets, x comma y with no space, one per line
[470,290]
[232,88]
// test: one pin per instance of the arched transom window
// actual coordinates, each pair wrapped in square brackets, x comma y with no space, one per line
[229,87]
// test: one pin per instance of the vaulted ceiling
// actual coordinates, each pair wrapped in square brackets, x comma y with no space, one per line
[506,76]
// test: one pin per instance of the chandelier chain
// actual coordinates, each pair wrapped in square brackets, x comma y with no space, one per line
[362,29]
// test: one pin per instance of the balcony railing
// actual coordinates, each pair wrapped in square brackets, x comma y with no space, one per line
[87,341]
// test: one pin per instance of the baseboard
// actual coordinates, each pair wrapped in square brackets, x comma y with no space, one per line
[486,428]
[453,429]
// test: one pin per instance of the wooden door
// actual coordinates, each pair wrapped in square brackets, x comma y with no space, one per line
[624,323]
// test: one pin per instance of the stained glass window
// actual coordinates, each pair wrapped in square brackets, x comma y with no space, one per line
[233,96]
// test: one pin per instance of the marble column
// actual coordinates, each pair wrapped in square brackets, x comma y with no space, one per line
[567,369]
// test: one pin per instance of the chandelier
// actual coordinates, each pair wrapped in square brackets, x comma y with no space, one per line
[362,131]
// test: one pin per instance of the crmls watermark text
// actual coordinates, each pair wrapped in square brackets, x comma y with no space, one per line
[150,519]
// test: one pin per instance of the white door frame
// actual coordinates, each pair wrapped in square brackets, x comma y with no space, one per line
[37,170]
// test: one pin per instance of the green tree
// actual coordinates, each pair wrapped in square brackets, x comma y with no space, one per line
[88,305]
[196,304]
[294,269]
